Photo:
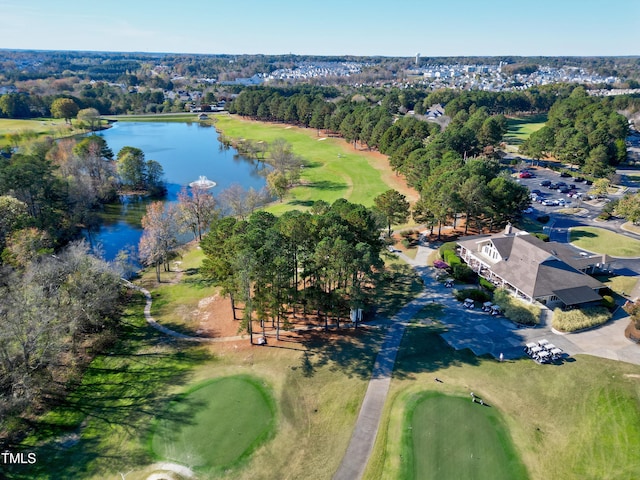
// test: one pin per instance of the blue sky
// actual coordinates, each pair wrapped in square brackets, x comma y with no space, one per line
[328,27]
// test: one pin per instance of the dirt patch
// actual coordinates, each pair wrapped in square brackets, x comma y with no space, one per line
[215,318]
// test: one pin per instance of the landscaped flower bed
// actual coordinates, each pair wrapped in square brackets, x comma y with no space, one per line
[579,319]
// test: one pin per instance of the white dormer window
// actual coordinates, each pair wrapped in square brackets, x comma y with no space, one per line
[490,251]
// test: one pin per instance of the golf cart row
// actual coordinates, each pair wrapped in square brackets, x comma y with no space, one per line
[488,307]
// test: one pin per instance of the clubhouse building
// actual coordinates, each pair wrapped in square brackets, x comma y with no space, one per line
[551,273]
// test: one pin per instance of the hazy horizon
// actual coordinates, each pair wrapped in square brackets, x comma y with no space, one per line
[466,28]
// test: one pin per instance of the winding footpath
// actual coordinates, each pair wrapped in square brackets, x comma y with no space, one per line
[167,331]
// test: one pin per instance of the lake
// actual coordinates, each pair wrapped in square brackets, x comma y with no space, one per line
[186,151]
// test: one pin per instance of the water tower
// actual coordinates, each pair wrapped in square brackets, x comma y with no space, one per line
[417,59]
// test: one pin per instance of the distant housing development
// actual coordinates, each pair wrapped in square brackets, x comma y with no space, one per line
[548,272]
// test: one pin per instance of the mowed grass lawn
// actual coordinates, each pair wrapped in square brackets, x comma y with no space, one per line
[215,424]
[577,420]
[599,240]
[33,128]
[177,298]
[450,437]
[519,129]
[332,169]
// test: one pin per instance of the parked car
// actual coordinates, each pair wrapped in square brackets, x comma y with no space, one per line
[588,182]
[572,186]
[545,183]
[526,175]
[563,189]
[565,174]
[536,192]
[528,210]
[578,179]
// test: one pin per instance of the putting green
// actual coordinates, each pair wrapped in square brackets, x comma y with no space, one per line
[215,424]
[449,437]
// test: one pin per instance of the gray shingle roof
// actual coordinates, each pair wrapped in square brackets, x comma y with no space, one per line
[577,295]
[538,268]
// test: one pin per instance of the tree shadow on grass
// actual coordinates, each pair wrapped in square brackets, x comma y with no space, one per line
[121,393]
[351,351]
[302,203]
[423,350]
[327,185]
[579,234]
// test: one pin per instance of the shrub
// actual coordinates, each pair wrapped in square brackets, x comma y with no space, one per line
[487,284]
[604,216]
[406,243]
[610,207]
[463,273]
[447,247]
[452,259]
[474,294]
[543,218]
[579,319]
[516,310]
[608,302]
[542,236]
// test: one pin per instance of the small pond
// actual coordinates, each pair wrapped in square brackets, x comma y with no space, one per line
[186,151]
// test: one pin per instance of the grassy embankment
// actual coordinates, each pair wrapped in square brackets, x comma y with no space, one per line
[153,117]
[574,421]
[16,132]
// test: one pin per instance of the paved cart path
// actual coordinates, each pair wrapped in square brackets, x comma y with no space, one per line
[366,429]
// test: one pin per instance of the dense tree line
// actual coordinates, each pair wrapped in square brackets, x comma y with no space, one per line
[532,100]
[54,309]
[194,214]
[452,169]
[56,187]
[322,262]
[478,188]
[584,131]
[106,99]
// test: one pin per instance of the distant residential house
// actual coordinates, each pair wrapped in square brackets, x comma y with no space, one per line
[548,272]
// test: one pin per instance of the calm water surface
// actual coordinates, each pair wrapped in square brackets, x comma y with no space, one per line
[185,151]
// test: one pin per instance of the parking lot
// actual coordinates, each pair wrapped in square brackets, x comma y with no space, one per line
[551,191]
